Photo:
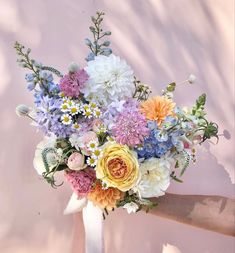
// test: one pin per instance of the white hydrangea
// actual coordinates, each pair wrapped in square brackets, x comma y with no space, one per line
[155,177]
[111,79]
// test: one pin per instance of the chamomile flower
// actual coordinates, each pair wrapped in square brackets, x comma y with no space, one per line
[93,105]
[76,126]
[91,161]
[61,94]
[96,153]
[74,109]
[92,145]
[68,101]
[66,119]
[86,107]
[97,113]
[64,107]
[87,113]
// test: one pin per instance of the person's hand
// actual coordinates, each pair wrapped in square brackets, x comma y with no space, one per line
[213,213]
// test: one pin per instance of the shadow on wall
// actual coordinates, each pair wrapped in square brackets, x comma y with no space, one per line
[163,41]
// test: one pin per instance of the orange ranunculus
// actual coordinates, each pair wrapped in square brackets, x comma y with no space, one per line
[157,108]
[105,198]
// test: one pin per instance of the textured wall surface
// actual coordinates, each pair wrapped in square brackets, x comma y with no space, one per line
[163,40]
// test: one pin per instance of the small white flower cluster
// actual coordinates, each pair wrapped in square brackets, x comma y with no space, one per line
[71,108]
[92,146]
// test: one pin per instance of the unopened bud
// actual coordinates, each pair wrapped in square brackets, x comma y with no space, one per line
[191,78]
[73,67]
[22,110]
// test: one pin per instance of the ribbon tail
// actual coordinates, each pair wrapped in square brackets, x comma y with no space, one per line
[93,223]
[75,205]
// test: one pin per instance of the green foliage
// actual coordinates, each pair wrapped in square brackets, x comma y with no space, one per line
[174,177]
[210,130]
[198,108]
[145,204]
[25,61]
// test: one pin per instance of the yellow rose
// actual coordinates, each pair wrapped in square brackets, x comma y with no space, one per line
[118,167]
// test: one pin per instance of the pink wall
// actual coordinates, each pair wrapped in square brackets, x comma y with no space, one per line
[163,40]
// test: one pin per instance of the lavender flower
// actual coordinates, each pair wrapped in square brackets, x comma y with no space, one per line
[48,117]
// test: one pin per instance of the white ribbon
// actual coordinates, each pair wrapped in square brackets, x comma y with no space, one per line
[93,223]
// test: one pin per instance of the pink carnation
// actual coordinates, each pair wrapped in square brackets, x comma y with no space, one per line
[130,127]
[72,83]
[81,181]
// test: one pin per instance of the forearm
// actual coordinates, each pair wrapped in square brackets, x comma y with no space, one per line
[213,213]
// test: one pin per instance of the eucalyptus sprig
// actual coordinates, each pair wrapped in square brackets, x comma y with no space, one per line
[98,46]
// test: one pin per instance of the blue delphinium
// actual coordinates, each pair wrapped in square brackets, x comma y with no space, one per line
[156,144]
[45,85]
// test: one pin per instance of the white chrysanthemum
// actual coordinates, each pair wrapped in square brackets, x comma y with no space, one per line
[111,79]
[155,177]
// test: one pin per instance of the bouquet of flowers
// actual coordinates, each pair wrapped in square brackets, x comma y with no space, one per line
[115,145]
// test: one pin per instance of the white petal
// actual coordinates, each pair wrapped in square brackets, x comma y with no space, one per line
[75,205]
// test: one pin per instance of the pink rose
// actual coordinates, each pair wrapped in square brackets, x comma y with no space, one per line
[76,161]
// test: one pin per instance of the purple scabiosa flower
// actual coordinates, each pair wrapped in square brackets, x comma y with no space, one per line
[130,127]
[72,83]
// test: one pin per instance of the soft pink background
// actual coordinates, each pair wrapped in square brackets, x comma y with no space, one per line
[163,40]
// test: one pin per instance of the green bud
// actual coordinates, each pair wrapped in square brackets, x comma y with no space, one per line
[107,33]
[106,43]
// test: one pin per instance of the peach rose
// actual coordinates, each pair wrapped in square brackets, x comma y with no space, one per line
[118,167]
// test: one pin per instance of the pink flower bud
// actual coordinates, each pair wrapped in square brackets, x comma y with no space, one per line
[76,161]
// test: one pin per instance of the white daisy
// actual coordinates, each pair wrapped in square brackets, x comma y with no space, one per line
[64,107]
[66,119]
[96,153]
[76,126]
[61,94]
[93,105]
[86,107]
[92,145]
[97,113]
[91,161]
[74,109]
[87,113]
